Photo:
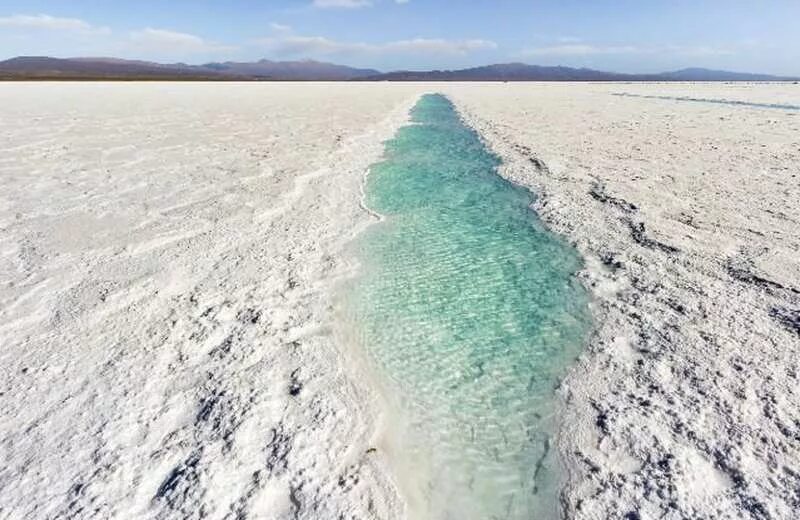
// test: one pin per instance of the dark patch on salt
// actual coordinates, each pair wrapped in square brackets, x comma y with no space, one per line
[789,318]
[598,193]
[639,235]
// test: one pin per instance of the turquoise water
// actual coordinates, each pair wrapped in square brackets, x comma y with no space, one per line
[471,309]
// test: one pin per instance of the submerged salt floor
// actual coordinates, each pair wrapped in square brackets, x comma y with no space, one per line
[471,308]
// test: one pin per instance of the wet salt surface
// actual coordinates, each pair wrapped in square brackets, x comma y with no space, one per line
[470,308]
[732,102]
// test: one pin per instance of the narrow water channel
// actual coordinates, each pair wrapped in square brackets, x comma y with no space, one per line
[469,309]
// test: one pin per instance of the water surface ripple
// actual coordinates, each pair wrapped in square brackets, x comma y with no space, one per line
[471,309]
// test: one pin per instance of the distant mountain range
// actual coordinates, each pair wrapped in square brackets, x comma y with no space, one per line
[524,72]
[35,67]
[291,70]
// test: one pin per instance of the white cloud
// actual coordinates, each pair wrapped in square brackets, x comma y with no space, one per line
[348,4]
[50,23]
[697,50]
[439,46]
[341,4]
[172,42]
[284,44]
[579,49]
[279,27]
[317,45]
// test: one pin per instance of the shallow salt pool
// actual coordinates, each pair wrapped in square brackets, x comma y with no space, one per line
[469,308]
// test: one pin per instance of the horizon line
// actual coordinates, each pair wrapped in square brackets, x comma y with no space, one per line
[420,70]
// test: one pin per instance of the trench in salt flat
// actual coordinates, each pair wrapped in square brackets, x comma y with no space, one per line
[470,309]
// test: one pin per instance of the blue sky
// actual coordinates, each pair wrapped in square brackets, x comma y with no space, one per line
[622,35]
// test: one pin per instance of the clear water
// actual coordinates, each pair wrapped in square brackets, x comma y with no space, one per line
[471,309]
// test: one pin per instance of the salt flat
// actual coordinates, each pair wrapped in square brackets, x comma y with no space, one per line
[167,253]
[685,404]
[170,253]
